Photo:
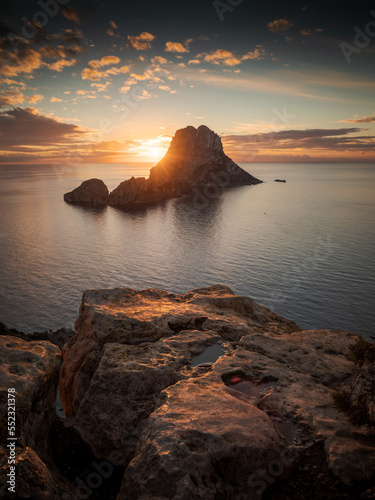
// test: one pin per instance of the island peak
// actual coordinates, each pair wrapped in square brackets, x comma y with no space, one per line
[194,158]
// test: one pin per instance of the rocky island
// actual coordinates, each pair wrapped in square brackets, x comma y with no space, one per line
[195,158]
[204,394]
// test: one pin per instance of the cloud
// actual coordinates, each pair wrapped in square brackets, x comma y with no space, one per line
[61,64]
[145,94]
[26,62]
[70,14]
[175,47]
[259,53]
[71,35]
[111,30]
[364,119]
[60,51]
[11,97]
[311,142]
[222,56]
[88,94]
[193,61]
[94,72]
[140,42]
[105,61]
[227,58]
[56,99]
[35,98]
[159,60]
[25,126]
[280,25]
[101,87]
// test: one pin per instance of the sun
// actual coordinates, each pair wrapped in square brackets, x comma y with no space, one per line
[157,152]
[152,149]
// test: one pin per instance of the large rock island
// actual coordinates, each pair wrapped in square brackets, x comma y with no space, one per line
[195,158]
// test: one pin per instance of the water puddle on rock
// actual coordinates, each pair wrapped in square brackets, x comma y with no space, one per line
[209,355]
[253,389]
[258,391]
[59,407]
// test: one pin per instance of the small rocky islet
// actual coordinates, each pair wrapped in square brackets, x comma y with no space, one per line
[195,158]
[205,394]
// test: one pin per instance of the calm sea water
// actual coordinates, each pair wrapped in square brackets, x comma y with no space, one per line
[306,248]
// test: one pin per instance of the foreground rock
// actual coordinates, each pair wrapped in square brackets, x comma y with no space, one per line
[32,370]
[194,159]
[93,192]
[58,337]
[228,427]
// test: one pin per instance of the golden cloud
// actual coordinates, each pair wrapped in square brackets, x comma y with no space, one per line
[175,47]
[280,25]
[140,42]
[70,14]
[61,64]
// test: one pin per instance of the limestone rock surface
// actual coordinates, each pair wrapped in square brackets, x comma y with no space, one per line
[31,368]
[130,384]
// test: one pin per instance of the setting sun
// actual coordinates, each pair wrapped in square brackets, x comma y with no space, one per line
[151,149]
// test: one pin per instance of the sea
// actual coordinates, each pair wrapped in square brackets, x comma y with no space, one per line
[304,248]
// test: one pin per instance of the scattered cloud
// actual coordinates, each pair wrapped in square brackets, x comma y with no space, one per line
[95,73]
[140,42]
[56,99]
[14,64]
[111,30]
[70,14]
[11,97]
[310,142]
[221,56]
[87,94]
[104,61]
[69,35]
[228,58]
[364,119]
[158,60]
[101,87]
[175,47]
[280,25]
[35,98]
[61,64]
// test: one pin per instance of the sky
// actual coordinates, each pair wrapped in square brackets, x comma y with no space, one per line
[111,82]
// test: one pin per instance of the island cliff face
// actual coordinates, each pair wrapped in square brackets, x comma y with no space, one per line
[195,158]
